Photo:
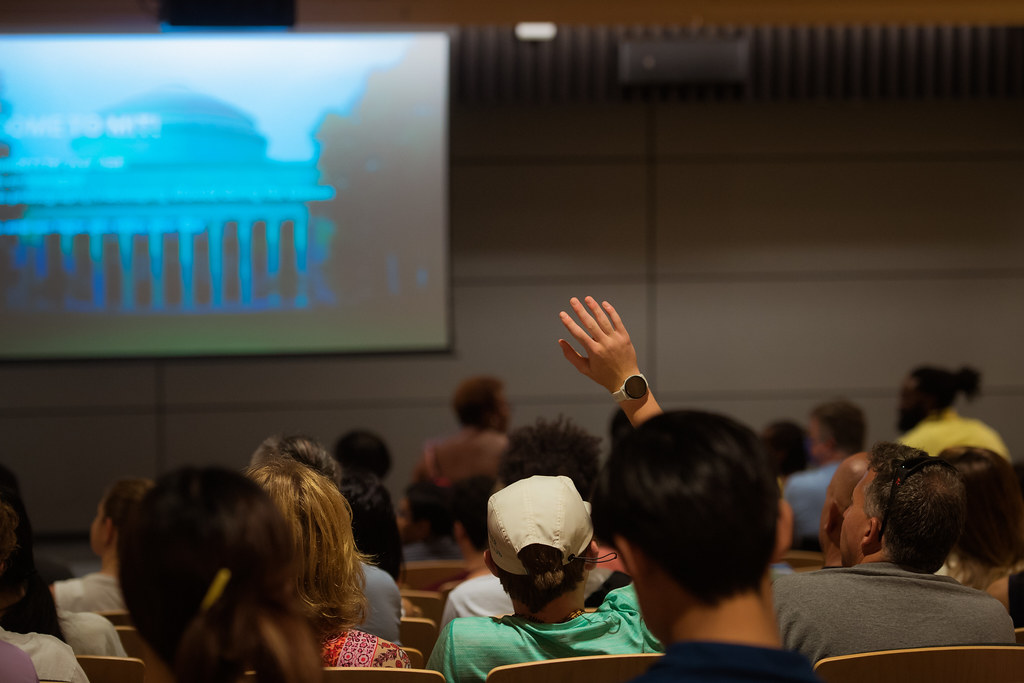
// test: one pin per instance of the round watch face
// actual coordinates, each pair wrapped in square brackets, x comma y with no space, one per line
[636,386]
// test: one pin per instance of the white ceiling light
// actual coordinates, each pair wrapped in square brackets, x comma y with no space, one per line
[536,30]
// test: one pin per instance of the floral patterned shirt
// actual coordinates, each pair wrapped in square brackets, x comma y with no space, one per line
[357,648]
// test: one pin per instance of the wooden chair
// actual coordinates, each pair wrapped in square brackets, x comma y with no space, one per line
[360,675]
[112,669]
[117,617]
[418,633]
[415,657]
[136,647]
[591,669]
[804,560]
[370,675]
[430,603]
[426,575]
[989,663]
[1020,635]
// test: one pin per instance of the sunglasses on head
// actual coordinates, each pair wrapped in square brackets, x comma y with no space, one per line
[903,472]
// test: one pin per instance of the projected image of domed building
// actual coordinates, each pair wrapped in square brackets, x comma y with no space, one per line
[169,203]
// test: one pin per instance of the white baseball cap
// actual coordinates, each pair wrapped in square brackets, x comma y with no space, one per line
[544,510]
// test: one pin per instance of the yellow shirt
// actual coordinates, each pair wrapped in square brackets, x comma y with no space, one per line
[946,429]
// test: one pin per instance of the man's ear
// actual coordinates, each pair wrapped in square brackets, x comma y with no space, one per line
[783,530]
[871,543]
[591,554]
[489,561]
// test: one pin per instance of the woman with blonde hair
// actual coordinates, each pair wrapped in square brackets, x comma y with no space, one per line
[330,581]
[992,544]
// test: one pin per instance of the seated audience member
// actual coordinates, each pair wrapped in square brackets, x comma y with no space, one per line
[561,447]
[483,412]
[425,524]
[330,582]
[363,451]
[928,419]
[696,485]
[786,443]
[907,513]
[838,498]
[48,655]
[836,431]
[304,449]
[99,591]
[992,544]
[376,534]
[552,448]
[540,546]
[384,610]
[479,594]
[207,570]
[29,606]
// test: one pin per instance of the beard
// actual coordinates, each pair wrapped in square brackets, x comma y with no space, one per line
[909,418]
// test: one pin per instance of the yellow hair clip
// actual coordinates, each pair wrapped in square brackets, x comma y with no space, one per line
[216,589]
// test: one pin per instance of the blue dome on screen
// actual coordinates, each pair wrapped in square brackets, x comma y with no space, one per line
[177,125]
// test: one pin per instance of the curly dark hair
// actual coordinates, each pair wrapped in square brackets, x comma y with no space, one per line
[551,449]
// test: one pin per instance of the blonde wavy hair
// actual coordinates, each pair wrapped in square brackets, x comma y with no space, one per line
[331,581]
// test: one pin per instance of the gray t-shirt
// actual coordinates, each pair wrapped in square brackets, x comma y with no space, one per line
[384,605]
[880,606]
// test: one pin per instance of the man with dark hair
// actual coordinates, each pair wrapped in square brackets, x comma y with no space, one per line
[425,524]
[928,419]
[551,449]
[684,488]
[480,593]
[835,432]
[906,514]
[540,547]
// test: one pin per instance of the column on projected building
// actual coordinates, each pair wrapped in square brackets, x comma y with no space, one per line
[231,262]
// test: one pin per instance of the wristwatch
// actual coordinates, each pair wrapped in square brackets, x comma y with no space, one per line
[633,388]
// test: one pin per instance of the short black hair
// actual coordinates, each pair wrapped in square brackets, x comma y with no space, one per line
[551,449]
[363,450]
[469,507]
[432,503]
[689,485]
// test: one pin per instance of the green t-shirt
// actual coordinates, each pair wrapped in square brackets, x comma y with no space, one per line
[469,647]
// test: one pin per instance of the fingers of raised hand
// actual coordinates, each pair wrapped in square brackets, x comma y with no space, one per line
[614,316]
[578,333]
[599,315]
[586,319]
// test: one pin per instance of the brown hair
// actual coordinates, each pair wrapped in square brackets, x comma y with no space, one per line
[844,422]
[992,544]
[547,579]
[190,526]
[8,527]
[330,581]
[121,501]
[478,403]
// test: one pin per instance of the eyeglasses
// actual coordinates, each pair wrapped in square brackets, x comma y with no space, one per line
[903,472]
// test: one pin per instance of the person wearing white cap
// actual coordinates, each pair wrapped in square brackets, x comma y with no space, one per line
[540,546]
